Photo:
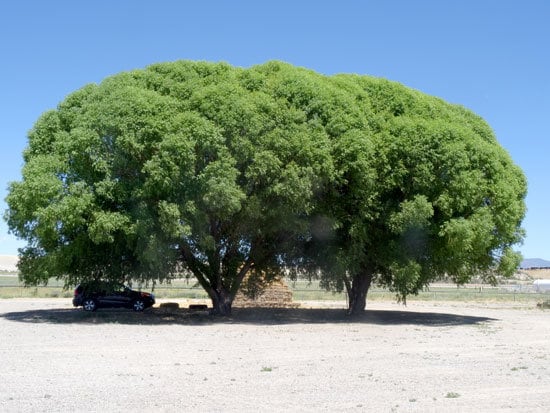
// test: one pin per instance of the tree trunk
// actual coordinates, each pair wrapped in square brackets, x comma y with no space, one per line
[222,300]
[221,287]
[357,293]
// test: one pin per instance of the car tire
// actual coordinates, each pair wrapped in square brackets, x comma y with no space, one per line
[89,304]
[138,305]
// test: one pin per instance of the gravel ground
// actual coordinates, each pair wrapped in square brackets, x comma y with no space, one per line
[424,357]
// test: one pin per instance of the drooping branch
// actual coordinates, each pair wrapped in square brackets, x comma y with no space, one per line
[199,269]
[248,265]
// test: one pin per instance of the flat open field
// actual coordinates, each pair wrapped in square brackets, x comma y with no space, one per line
[428,356]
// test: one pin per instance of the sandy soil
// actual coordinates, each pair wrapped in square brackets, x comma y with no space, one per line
[424,357]
[540,274]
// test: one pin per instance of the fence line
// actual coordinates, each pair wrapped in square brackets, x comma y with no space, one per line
[300,293]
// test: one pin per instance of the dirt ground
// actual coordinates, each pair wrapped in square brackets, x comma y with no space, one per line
[426,357]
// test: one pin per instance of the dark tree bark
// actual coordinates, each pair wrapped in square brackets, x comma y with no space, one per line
[357,292]
[222,300]
[220,284]
[222,297]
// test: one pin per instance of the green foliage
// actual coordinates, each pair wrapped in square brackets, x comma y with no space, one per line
[422,190]
[181,164]
[228,172]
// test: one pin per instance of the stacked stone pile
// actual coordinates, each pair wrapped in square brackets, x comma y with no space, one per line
[276,295]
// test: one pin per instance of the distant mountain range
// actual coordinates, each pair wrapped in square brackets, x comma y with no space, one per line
[534,263]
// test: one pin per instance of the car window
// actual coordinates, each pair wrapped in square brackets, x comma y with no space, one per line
[104,287]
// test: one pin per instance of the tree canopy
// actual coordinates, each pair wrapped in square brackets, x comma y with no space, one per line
[428,193]
[232,172]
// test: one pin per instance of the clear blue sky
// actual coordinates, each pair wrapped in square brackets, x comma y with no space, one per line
[491,56]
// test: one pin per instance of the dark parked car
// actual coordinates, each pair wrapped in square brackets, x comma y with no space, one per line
[97,294]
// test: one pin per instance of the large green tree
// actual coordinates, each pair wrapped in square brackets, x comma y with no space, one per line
[422,191]
[228,172]
[182,165]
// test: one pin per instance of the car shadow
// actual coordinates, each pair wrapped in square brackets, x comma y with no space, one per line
[255,316]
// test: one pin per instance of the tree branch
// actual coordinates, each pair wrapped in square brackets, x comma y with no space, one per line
[199,269]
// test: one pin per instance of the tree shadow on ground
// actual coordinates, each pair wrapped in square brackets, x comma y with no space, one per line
[254,316]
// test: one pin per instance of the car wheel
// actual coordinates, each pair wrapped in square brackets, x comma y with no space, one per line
[89,304]
[138,305]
